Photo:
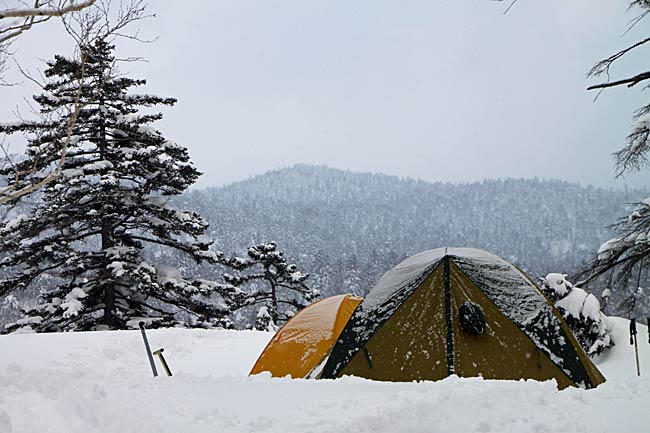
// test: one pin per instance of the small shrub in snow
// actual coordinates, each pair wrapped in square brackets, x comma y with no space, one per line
[581,311]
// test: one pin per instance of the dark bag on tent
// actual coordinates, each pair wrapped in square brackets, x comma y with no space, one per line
[472,319]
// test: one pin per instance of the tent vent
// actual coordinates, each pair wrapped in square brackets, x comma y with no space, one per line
[472,319]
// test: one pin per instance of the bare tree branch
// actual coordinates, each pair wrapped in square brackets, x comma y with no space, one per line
[631,81]
[41,12]
[633,156]
[509,6]
[512,3]
[13,31]
[16,21]
[9,193]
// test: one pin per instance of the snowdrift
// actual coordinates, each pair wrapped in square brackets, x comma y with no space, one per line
[101,382]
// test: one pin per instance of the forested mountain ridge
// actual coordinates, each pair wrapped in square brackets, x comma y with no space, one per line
[348,228]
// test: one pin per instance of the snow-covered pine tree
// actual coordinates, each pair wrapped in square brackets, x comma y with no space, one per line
[581,311]
[91,226]
[283,291]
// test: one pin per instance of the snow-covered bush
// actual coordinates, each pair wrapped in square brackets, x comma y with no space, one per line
[581,311]
[264,321]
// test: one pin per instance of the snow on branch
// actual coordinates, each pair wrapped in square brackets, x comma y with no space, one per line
[50,11]
[627,250]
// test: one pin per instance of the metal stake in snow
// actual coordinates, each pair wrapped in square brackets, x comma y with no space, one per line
[162,361]
[146,346]
[634,343]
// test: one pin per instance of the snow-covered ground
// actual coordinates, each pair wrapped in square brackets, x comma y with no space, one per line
[101,382]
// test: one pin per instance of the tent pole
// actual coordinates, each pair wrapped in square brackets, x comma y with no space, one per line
[448,319]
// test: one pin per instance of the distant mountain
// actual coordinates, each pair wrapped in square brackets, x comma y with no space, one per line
[348,228]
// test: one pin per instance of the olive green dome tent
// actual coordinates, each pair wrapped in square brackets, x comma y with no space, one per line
[459,311]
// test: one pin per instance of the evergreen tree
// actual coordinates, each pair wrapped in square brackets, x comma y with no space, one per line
[91,226]
[352,281]
[285,292]
[581,311]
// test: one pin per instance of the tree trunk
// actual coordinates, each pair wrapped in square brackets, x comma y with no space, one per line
[107,239]
[105,276]
[274,303]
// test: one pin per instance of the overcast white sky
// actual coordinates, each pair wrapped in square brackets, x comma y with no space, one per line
[447,90]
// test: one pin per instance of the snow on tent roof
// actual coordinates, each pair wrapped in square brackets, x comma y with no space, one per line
[414,270]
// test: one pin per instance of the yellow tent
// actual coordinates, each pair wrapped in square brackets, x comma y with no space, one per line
[305,341]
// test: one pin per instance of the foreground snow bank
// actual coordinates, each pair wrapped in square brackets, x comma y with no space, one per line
[101,382]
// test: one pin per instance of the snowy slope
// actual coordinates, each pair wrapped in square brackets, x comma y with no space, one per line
[101,382]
